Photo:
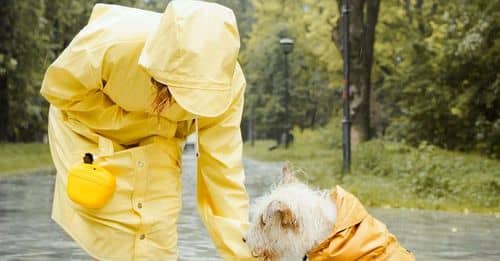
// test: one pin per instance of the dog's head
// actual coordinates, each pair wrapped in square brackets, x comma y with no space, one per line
[283,222]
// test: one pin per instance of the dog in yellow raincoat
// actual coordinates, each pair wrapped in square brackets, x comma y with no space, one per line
[129,89]
[295,222]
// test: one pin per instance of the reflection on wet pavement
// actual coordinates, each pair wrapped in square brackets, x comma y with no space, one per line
[28,233]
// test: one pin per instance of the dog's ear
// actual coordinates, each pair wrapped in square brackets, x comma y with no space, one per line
[282,212]
[287,176]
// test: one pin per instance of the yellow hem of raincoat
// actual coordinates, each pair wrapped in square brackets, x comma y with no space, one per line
[75,238]
[186,81]
[91,253]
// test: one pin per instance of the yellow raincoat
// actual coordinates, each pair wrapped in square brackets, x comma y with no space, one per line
[101,95]
[357,235]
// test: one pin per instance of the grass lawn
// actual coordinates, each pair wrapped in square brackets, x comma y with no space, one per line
[387,174]
[16,158]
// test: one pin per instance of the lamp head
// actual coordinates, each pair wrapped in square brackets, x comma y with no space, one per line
[286,45]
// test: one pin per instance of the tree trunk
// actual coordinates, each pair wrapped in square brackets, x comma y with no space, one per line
[372,11]
[5,37]
[363,18]
[313,116]
[4,109]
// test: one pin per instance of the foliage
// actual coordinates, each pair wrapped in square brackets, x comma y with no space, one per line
[437,65]
[392,174]
[24,44]
[435,77]
[312,66]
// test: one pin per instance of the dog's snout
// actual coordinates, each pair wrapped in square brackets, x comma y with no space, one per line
[244,239]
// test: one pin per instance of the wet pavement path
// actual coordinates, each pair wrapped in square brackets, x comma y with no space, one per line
[28,233]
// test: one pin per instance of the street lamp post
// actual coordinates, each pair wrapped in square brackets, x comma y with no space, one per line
[287,47]
[346,121]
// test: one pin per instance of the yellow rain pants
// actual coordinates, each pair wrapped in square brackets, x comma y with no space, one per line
[101,93]
[357,235]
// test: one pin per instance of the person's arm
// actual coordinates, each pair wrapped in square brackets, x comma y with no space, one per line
[73,84]
[222,198]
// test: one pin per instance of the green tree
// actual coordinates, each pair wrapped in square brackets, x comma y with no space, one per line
[437,62]
[24,45]
[311,90]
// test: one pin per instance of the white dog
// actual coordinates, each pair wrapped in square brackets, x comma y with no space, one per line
[294,222]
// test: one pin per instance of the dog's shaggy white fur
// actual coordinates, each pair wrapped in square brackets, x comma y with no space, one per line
[290,221]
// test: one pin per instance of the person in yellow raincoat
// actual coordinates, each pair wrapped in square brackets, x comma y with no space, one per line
[357,235]
[129,88]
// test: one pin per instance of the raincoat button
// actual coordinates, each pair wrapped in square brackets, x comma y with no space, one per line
[139,205]
[140,163]
[142,237]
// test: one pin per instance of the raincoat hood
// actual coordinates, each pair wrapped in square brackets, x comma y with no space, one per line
[194,51]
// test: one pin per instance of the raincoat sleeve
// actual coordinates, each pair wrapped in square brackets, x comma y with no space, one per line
[73,84]
[222,198]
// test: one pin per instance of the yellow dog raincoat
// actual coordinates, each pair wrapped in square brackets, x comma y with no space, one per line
[101,93]
[357,235]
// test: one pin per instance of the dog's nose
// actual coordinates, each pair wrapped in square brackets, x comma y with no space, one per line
[244,239]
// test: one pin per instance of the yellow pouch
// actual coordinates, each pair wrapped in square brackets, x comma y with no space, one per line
[90,185]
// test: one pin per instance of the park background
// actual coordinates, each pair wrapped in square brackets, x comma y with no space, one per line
[425,93]
[425,107]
